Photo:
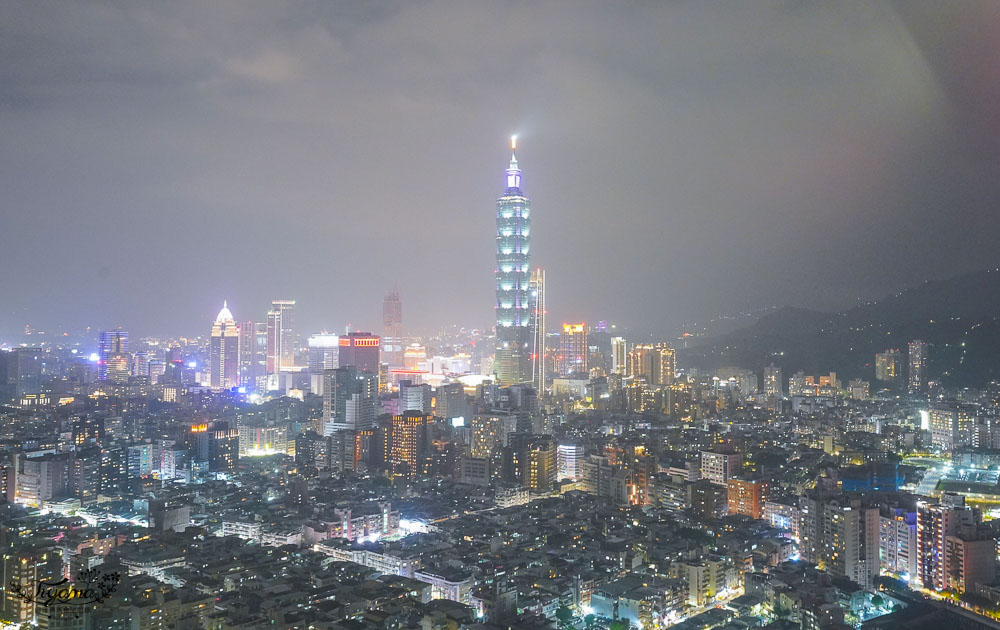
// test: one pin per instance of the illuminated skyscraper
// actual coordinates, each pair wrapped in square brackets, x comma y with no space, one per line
[323,352]
[224,350]
[917,375]
[280,336]
[408,443]
[512,356]
[349,399]
[536,293]
[619,355]
[360,350]
[253,348]
[392,329]
[573,349]
[112,356]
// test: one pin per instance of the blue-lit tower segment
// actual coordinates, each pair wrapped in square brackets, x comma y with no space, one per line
[512,358]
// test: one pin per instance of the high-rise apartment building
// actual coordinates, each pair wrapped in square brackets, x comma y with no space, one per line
[951,426]
[656,364]
[280,336]
[224,350]
[24,568]
[718,466]
[746,497]
[536,293]
[573,349]
[490,431]
[851,540]
[774,386]
[619,356]
[889,367]
[952,552]
[539,464]
[361,350]
[916,376]
[898,541]
[512,354]
[408,443]
[392,329]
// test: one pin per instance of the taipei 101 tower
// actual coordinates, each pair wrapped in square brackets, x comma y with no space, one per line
[512,359]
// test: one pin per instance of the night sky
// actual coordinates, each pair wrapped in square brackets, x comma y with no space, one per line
[684,159]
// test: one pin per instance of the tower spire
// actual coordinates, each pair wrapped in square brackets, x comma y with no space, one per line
[513,172]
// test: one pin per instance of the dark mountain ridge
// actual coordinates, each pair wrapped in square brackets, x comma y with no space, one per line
[958,317]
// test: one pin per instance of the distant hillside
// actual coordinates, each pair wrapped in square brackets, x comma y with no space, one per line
[944,313]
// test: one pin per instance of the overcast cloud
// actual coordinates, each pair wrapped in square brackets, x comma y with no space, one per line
[684,159]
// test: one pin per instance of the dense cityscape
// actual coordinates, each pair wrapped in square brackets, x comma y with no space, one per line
[816,448]
[532,476]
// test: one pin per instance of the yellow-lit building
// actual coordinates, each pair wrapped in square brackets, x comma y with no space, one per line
[656,364]
[540,465]
[573,348]
[408,443]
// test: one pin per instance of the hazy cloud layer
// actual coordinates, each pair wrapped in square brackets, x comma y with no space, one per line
[684,159]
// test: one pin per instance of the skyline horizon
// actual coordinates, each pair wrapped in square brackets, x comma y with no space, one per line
[749,315]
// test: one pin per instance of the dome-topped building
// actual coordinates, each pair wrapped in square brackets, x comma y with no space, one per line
[224,350]
[225,316]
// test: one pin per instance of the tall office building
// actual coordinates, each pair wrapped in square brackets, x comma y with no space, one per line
[214,446]
[573,349]
[140,364]
[916,377]
[350,396]
[224,350]
[569,461]
[112,356]
[20,373]
[253,348]
[361,350]
[280,336]
[773,383]
[414,396]
[512,355]
[536,293]
[451,401]
[392,329]
[323,352]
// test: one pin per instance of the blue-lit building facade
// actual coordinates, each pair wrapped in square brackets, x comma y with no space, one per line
[512,357]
